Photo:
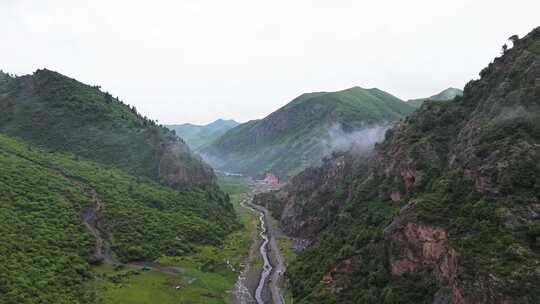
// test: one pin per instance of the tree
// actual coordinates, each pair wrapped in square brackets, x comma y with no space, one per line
[514,39]
[108,97]
[388,296]
[504,48]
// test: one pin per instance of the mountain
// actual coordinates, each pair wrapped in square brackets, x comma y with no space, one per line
[197,136]
[60,215]
[60,113]
[302,132]
[447,94]
[85,180]
[445,210]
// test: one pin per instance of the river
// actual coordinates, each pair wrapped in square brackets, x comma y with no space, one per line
[267,268]
[274,272]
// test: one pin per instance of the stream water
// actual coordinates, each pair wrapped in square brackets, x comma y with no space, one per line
[267,268]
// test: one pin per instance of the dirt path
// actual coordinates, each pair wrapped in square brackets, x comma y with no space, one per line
[168,269]
[90,218]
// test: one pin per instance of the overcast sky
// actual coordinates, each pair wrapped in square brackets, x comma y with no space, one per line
[196,61]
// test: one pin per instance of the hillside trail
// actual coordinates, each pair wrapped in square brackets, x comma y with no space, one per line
[90,216]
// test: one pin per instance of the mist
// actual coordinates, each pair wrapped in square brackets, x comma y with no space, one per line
[360,141]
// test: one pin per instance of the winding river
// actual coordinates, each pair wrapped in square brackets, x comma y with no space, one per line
[269,274]
[267,268]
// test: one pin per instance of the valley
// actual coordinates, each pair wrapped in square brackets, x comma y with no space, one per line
[247,268]
[273,267]
[347,196]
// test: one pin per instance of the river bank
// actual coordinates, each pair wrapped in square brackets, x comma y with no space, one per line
[228,273]
[274,255]
[271,267]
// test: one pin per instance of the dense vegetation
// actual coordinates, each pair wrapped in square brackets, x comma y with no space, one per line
[445,211]
[368,280]
[205,276]
[45,250]
[302,132]
[58,112]
[272,202]
[445,95]
[198,137]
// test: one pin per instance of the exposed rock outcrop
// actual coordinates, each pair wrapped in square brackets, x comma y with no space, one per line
[446,208]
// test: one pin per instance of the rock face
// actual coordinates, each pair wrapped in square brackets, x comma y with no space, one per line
[305,191]
[180,168]
[61,113]
[445,210]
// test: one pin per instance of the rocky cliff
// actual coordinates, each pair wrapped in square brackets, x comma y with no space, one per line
[445,210]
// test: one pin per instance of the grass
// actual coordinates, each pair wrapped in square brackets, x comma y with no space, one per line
[199,280]
[140,286]
[204,277]
[233,185]
[288,256]
[284,246]
[46,253]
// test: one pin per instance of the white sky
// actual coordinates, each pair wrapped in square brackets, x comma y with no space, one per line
[195,61]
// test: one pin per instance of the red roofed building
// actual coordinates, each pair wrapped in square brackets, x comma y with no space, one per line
[271,179]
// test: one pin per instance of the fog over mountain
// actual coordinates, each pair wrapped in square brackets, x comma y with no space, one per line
[360,141]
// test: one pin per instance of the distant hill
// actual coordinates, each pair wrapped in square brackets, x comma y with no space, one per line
[197,136]
[52,110]
[302,132]
[447,94]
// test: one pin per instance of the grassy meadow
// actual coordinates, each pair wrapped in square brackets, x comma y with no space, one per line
[205,276]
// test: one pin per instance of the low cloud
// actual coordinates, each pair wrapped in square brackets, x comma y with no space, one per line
[360,141]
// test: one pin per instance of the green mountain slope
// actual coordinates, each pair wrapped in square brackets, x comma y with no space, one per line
[85,179]
[447,94]
[197,136]
[445,210]
[58,112]
[302,132]
[59,215]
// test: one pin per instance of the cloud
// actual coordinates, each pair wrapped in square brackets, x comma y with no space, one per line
[195,61]
[360,141]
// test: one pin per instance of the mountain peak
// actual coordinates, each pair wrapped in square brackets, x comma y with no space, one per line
[4,76]
[291,138]
[197,136]
[53,110]
[461,176]
[223,122]
[445,95]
